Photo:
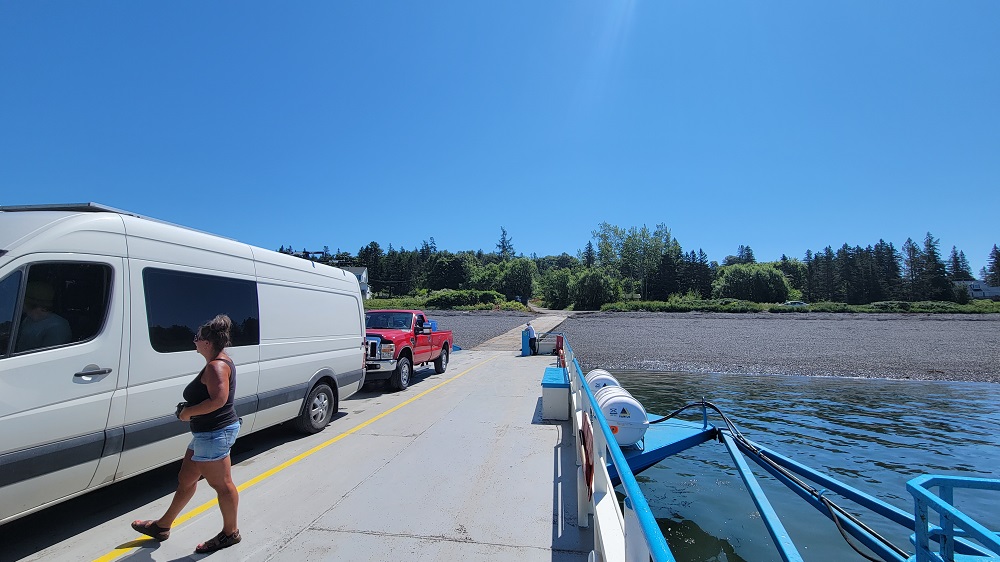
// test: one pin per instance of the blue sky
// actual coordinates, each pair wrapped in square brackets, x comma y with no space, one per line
[784,126]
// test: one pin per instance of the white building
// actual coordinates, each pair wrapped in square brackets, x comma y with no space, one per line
[362,274]
[980,290]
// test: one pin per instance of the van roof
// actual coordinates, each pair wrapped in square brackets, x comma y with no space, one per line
[75,207]
[92,207]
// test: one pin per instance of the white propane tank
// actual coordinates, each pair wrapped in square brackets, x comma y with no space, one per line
[625,415]
[599,378]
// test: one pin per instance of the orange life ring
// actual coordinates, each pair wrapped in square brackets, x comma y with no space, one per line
[587,438]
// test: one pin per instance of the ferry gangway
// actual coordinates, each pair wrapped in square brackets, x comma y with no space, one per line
[629,532]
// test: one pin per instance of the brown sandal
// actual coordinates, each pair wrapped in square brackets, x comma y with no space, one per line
[218,542]
[151,529]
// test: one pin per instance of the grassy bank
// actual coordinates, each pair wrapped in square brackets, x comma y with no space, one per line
[733,305]
[426,303]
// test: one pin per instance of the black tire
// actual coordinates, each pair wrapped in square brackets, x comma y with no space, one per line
[401,376]
[441,363]
[318,410]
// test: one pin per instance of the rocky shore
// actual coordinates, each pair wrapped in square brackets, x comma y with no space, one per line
[894,346]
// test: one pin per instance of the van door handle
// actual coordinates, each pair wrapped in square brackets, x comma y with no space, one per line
[93,373]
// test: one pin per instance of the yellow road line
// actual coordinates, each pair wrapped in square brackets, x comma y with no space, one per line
[125,548]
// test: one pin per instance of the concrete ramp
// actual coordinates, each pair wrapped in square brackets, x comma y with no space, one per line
[511,341]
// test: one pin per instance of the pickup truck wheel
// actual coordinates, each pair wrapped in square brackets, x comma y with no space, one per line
[401,376]
[319,408]
[441,363]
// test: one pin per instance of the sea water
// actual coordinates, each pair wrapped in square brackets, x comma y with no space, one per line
[874,435]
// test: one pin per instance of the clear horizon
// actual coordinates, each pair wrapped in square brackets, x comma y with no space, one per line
[784,127]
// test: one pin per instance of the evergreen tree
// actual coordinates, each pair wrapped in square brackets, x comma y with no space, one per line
[743,255]
[427,250]
[666,279]
[870,290]
[934,279]
[402,269]
[694,274]
[809,292]
[958,266]
[912,270]
[887,271]
[505,249]
[991,273]
[447,271]
[822,276]
[589,255]
[704,274]
[795,272]
[848,287]
[371,256]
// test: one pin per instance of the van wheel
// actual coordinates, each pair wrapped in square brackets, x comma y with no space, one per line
[401,376]
[441,363]
[320,406]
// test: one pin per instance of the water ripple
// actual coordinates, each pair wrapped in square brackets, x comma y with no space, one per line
[871,434]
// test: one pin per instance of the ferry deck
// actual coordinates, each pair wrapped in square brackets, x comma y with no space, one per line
[468,465]
[460,466]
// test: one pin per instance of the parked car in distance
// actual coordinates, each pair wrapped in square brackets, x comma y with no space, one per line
[795,303]
[398,340]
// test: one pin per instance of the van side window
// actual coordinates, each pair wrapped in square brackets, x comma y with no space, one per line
[61,303]
[9,288]
[178,303]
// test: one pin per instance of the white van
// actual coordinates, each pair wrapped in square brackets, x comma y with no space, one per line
[98,310]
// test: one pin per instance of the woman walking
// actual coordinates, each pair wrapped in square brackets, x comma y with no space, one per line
[214,425]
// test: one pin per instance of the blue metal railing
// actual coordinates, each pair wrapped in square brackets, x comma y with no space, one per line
[954,525]
[957,533]
[635,500]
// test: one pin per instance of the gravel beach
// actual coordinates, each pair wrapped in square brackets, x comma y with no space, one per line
[893,346]
[475,327]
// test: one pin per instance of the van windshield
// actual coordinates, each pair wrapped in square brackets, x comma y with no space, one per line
[388,320]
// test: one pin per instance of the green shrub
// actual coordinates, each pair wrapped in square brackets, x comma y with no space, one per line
[982,306]
[513,305]
[890,306]
[686,304]
[827,306]
[556,285]
[936,306]
[756,282]
[404,303]
[450,298]
[745,306]
[593,289]
[506,305]
[780,309]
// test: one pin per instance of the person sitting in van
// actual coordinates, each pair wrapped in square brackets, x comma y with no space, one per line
[41,327]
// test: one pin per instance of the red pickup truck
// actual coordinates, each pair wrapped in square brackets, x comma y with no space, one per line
[396,340]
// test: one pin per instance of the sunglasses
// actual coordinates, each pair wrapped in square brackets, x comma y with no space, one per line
[198,338]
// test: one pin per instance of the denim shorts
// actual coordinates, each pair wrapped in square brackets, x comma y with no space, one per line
[214,445]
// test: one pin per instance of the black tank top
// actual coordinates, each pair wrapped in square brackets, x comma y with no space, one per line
[196,392]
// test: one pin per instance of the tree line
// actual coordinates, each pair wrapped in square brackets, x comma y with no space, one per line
[642,264]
